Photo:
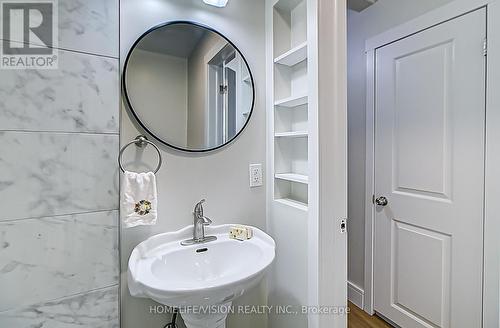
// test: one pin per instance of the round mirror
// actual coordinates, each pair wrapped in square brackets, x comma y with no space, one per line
[188,86]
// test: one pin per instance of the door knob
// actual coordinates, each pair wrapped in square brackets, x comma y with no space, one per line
[381,201]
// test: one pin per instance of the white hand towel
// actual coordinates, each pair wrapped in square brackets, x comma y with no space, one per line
[138,199]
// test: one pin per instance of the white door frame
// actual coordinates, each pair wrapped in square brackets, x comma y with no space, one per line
[491,274]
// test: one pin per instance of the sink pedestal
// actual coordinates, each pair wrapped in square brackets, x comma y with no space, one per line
[207,320]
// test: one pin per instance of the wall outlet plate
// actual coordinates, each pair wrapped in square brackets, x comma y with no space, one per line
[255,173]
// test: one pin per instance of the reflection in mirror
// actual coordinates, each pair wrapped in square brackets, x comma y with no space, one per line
[188,86]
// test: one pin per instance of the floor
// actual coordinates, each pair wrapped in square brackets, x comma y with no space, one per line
[360,319]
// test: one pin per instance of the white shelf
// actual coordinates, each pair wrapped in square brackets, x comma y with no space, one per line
[293,101]
[293,177]
[293,203]
[291,134]
[293,56]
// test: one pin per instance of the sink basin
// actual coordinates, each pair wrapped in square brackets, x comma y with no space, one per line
[201,275]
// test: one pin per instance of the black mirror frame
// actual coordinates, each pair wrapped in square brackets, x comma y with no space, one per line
[131,108]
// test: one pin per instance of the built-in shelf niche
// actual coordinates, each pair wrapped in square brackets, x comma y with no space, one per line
[291,168]
[289,25]
[291,193]
[291,123]
[290,82]
[290,49]
[291,119]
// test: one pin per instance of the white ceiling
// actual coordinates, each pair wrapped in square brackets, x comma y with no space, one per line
[359,5]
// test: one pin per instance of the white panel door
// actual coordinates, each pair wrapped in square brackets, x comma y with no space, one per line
[429,165]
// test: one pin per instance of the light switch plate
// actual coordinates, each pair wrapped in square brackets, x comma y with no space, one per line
[255,171]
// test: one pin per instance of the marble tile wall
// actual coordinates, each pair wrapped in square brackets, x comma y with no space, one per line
[80,96]
[96,309]
[89,26]
[59,139]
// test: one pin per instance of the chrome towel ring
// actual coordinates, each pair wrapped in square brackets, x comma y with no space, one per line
[140,141]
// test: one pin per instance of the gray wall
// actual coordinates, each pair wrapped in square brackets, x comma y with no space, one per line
[222,176]
[58,182]
[381,16]
[160,82]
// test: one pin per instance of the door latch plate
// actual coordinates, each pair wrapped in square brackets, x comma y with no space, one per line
[343,226]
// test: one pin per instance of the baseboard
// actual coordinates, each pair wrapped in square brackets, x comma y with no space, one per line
[355,295]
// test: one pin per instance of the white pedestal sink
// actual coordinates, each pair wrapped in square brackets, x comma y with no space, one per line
[196,278]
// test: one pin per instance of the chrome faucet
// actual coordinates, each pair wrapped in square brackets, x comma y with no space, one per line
[199,223]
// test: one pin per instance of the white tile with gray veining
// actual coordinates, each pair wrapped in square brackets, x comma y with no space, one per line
[86,25]
[44,174]
[89,26]
[49,258]
[80,96]
[96,309]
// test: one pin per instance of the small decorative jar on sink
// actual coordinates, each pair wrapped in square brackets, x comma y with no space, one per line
[199,275]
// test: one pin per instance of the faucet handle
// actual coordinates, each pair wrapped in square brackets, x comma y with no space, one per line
[198,209]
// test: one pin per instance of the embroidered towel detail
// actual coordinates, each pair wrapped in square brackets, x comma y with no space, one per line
[138,199]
